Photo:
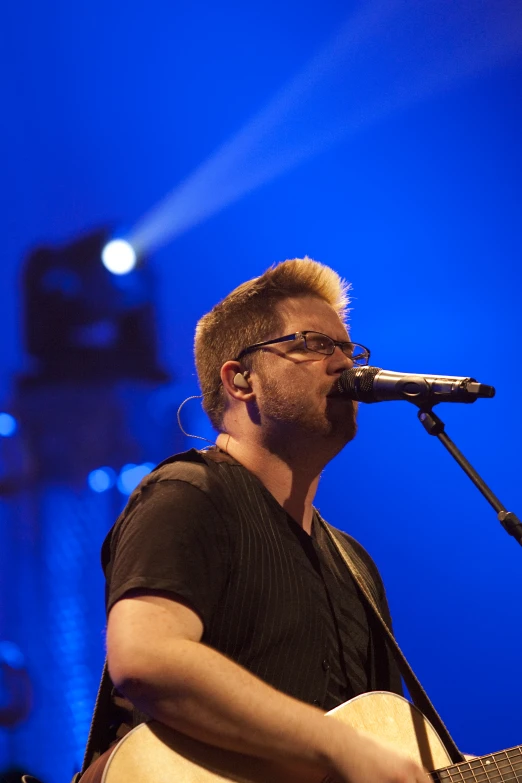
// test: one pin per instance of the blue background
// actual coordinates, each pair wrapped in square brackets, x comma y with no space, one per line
[393,154]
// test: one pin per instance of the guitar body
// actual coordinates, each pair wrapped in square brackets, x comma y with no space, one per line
[153,753]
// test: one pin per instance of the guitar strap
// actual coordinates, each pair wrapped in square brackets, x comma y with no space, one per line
[365,583]
[99,723]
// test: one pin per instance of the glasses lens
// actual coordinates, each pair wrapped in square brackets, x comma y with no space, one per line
[319,342]
[358,354]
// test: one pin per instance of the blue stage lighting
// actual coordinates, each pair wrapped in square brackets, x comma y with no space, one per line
[131,475]
[101,479]
[11,655]
[8,425]
[84,323]
[119,257]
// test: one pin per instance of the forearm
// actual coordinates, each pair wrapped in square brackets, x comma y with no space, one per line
[199,692]
[155,657]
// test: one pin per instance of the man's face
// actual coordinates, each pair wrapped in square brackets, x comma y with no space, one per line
[294,384]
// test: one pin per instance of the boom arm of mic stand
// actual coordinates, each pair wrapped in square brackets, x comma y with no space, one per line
[435,426]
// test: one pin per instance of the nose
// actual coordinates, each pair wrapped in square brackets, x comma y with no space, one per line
[339,362]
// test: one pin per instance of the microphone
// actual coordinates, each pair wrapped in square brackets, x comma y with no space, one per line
[371,384]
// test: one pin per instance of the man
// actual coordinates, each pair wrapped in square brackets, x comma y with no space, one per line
[231,617]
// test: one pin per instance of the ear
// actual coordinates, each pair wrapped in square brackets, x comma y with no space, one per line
[235,381]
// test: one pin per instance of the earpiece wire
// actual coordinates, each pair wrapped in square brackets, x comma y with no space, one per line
[180,425]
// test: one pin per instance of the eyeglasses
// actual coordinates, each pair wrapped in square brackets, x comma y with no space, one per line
[317,343]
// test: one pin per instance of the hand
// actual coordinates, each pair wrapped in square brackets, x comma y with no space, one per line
[365,759]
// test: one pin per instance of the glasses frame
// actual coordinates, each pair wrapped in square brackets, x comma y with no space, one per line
[298,336]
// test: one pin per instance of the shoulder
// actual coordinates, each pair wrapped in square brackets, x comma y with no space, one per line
[184,486]
[193,467]
[200,469]
[205,468]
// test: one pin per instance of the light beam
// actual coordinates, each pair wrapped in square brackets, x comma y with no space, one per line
[392,54]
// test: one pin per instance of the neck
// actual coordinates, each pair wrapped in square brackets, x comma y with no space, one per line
[292,478]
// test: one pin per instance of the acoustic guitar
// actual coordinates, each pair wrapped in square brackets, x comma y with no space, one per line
[153,753]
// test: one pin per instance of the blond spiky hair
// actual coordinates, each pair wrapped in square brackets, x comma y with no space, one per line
[250,314]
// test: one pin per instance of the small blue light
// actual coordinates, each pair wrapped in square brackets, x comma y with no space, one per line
[131,475]
[119,257]
[11,655]
[8,425]
[101,479]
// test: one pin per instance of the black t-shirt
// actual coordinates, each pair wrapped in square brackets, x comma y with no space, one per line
[277,601]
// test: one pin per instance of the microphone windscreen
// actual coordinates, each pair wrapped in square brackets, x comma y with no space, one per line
[357,383]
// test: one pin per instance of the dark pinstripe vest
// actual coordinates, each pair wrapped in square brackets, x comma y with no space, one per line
[289,611]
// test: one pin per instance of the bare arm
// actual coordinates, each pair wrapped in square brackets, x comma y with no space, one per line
[156,658]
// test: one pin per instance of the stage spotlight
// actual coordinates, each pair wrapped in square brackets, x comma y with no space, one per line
[8,425]
[84,323]
[119,257]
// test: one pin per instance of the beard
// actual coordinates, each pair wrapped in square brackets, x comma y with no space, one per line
[294,410]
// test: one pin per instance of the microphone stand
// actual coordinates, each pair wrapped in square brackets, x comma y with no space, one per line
[435,426]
